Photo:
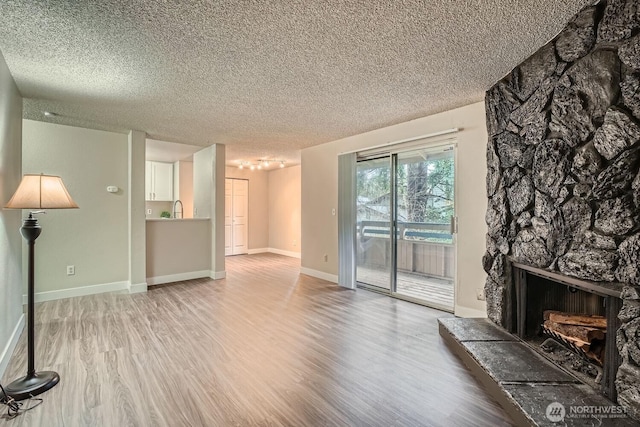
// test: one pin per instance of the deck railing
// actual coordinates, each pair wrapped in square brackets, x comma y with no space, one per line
[423,248]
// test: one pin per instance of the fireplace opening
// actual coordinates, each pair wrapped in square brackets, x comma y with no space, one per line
[557,318]
[571,322]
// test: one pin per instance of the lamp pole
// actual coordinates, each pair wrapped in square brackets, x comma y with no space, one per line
[34,383]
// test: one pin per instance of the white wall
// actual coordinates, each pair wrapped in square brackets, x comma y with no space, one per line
[93,238]
[11,319]
[258,204]
[208,199]
[183,187]
[158,207]
[284,209]
[136,229]
[320,196]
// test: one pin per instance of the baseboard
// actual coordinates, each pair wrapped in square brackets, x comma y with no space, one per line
[258,251]
[461,311]
[159,280]
[274,251]
[285,253]
[137,288]
[319,274]
[11,345]
[217,275]
[78,292]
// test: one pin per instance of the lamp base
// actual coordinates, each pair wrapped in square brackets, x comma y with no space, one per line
[32,385]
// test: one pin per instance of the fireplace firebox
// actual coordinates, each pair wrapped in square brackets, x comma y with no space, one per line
[537,292]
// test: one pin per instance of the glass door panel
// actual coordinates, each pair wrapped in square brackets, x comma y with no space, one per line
[425,251]
[373,204]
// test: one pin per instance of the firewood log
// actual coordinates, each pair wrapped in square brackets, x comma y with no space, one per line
[583,333]
[592,321]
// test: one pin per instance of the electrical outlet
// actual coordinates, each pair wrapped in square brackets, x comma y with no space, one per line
[326,258]
[295,243]
[480,294]
[71,270]
[148,211]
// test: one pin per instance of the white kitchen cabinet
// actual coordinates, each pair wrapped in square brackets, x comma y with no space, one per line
[159,182]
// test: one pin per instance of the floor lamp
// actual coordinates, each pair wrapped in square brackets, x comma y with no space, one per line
[35,192]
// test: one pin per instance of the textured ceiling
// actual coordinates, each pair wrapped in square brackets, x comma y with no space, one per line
[162,151]
[267,78]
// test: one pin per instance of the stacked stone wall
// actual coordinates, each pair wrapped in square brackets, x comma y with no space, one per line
[563,157]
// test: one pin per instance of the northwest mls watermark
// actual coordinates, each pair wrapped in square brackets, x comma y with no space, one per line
[556,412]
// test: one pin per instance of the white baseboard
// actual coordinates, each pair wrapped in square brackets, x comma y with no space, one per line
[159,280]
[461,311]
[137,288]
[274,251]
[78,292]
[217,275]
[258,251]
[11,345]
[285,253]
[319,274]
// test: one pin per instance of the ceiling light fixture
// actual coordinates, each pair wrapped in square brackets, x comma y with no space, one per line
[259,164]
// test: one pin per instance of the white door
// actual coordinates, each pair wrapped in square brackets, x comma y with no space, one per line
[236,204]
[228,208]
[239,216]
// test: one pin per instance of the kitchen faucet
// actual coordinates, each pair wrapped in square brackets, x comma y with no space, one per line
[175,213]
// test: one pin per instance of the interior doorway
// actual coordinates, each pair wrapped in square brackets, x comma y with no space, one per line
[236,205]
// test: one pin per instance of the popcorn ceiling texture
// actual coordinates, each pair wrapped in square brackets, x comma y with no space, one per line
[265,77]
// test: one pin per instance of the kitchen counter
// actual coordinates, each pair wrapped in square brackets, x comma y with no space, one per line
[178,249]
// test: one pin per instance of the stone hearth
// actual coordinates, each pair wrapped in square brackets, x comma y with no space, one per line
[563,158]
[497,358]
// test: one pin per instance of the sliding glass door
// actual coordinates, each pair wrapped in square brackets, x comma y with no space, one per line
[425,218]
[373,212]
[406,225]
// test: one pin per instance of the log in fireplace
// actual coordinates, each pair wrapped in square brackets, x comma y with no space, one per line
[543,304]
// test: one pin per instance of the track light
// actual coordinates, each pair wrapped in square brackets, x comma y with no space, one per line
[259,164]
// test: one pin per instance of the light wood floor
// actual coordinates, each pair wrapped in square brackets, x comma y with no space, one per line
[266,346]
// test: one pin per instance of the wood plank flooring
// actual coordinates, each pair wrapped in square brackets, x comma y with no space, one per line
[265,346]
[432,291]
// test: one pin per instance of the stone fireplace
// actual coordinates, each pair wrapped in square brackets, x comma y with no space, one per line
[563,158]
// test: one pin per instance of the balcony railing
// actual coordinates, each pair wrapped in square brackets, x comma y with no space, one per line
[423,248]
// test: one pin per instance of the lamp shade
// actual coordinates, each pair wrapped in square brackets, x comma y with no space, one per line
[41,192]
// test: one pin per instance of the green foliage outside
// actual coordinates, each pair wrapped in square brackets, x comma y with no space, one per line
[425,189]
